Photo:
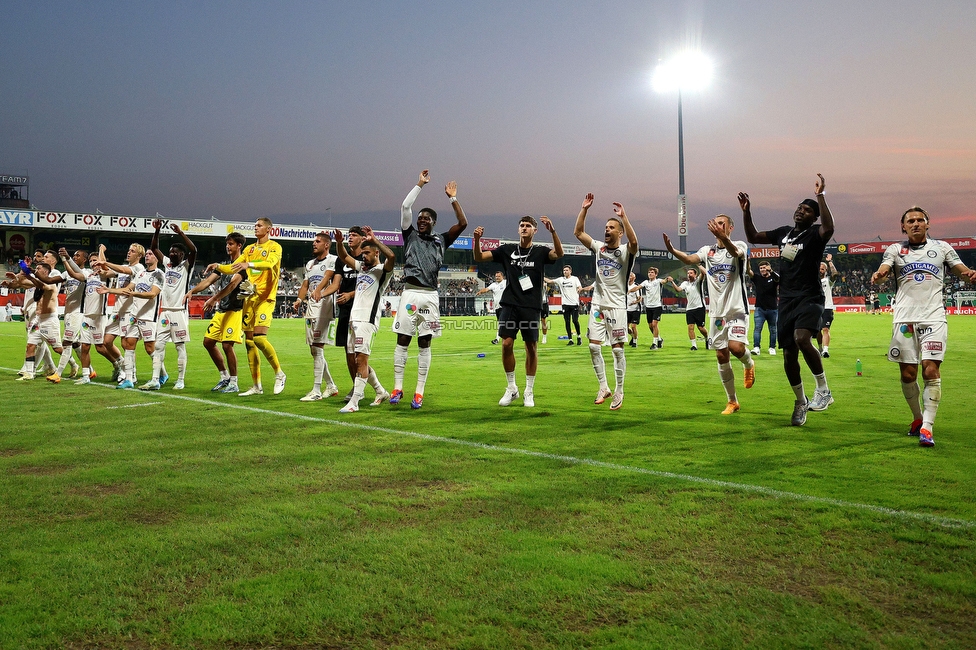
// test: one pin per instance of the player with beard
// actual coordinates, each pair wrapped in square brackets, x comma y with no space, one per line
[419,311]
[319,314]
[120,321]
[801,299]
[920,331]
[174,318]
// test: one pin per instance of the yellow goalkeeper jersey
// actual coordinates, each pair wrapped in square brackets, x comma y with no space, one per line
[265,268]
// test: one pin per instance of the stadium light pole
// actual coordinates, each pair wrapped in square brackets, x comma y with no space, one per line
[687,71]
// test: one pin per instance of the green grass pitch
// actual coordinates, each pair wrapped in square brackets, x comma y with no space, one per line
[194,519]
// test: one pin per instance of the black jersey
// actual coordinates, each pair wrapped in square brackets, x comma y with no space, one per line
[800,277]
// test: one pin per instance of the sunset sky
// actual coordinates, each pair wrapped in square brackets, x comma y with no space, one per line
[241,110]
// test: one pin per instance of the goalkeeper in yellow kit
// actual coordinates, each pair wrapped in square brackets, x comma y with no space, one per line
[262,260]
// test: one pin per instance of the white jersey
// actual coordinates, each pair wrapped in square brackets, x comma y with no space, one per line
[124,303]
[634,299]
[569,289]
[93,303]
[74,292]
[315,270]
[369,289]
[920,274]
[827,285]
[176,284]
[726,280]
[29,308]
[497,289]
[693,294]
[613,267]
[652,292]
[147,308]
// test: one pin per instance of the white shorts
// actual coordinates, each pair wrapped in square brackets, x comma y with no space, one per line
[607,325]
[93,330]
[723,330]
[361,335]
[318,321]
[116,323]
[419,313]
[46,328]
[913,343]
[73,324]
[174,326]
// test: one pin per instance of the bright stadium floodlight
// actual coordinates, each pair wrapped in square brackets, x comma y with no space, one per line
[688,71]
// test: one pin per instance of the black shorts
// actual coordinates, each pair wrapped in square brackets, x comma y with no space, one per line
[545,310]
[695,316]
[519,320]
[633,318]
[342,330]
[653,313]
[797,314]
[826,319]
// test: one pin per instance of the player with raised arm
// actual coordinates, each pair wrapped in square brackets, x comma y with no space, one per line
[88,327]
[319,314]
[496,289]
[695,306]
[524,268]
[419,311]
[262,262]
[364,320]
[728,306]
[608,315]
[828,276]
[226,326]
[653,305]
[121,320]
[569,290]
[801,299]
[919,328]
[74,292]
[174,318]
[45,328]
[144,290]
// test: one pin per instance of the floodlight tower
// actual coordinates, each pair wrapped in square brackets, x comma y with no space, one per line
[687,71]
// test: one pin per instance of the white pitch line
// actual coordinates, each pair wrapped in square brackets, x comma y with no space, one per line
[946,522]
[132,406]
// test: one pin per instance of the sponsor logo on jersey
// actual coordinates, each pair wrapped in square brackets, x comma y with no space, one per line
[907,330]
[739,330]
[932,346]
[920,267]
[719,323]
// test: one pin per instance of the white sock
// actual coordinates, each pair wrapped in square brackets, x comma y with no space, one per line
[931,396]
[46,359]
[63,361]
[423,367]
[399,365]
[510,376]
[359,388]
[910,391]
[318,361]
[157,359]
[821,382]
[619,369]
[374,381]
[746,359]
[29,366]
[130,365]
[224,374]
[798,391]
[728,380]
[529,383]
[599,366]
[180,361]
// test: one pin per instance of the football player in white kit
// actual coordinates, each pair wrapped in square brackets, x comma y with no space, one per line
[319,314]
[828,276]
[174,317]
[144,289]
[496,288]
[728,307]
[608,316]
[117,325]
[364,321]
[653,306]
[919,331]
[74,318]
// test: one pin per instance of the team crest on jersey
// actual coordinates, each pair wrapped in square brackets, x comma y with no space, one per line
[264,253]
[264,316]
[230,330]
[906,330]
[894,353]
[932,254]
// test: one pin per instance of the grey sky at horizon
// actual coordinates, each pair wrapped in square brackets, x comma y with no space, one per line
[239,111]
